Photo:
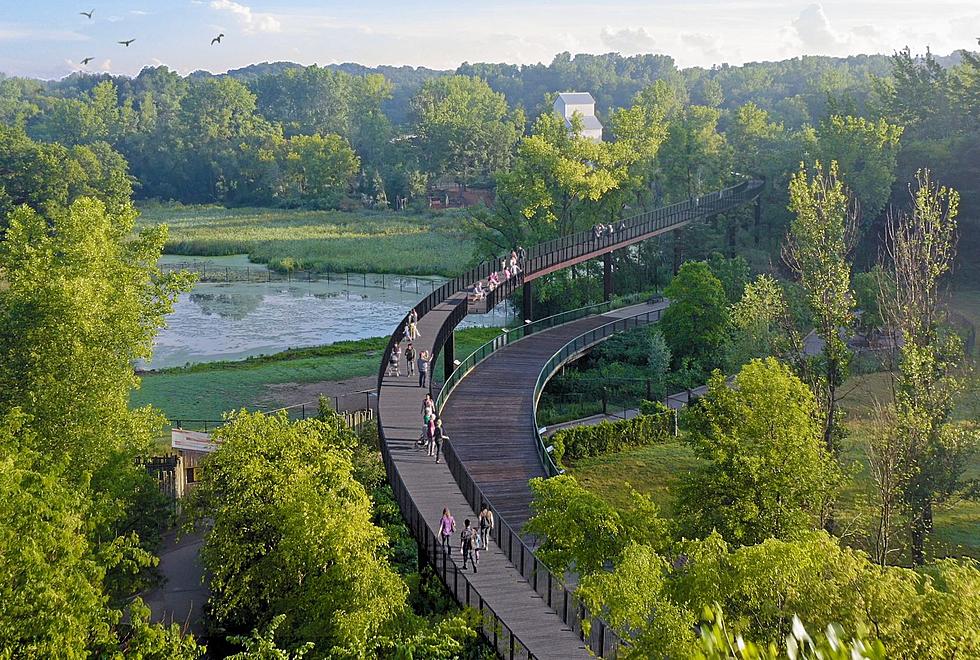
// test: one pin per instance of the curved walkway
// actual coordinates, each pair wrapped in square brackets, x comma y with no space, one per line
[527,611]
[490,414]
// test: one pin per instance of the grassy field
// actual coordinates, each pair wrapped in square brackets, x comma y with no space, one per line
[206,391]
[656,470]
[335,241]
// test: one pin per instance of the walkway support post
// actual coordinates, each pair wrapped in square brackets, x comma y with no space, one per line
[448,356]
[607,282]
[527,302]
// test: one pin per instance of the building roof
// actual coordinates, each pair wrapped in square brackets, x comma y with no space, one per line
[589,122]
[576,98]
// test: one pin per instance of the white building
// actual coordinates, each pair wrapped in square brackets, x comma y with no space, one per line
[568,103]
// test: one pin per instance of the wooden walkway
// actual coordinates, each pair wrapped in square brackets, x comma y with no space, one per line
[490,414]
[432,487]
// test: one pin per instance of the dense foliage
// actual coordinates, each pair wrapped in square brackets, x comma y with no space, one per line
[606,437]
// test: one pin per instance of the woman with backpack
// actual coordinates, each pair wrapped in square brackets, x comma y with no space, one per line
[467,539]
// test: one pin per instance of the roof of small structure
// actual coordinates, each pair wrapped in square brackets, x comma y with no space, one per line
[589,122]
[576,98]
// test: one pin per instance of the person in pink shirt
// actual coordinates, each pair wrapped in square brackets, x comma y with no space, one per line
[447,525]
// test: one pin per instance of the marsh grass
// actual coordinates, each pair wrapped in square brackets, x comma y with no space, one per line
[321,241]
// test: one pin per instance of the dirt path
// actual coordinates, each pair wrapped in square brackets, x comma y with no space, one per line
[349,394]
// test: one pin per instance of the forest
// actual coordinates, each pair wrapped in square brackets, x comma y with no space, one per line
[866,225]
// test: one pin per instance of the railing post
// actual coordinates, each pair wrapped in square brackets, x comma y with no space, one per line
[607,282]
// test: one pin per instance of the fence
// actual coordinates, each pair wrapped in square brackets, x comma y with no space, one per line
[354,419]
[218,274]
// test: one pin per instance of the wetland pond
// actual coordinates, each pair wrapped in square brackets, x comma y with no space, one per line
[233,320]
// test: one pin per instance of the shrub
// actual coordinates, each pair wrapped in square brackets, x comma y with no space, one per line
[605,437]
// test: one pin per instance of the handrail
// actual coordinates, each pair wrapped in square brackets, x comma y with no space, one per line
[563,355]
[508,337]
[540,258]
[505,642]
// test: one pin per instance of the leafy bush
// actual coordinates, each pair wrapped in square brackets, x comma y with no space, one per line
[605,437]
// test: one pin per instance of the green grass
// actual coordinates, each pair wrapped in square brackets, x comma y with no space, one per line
[335,241]
[206,391]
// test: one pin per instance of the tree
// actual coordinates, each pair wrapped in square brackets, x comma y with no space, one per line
[820,238]
[920,250]
[317,169]
[40,175]
[866,152]
[764,471]
[465,128]
[581,531]
[83,300]
[558,184]
[635,598]
[695,324]
[763,323]
[292,534]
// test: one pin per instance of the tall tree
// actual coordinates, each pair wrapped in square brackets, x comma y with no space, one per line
[465,128]
[695,324]
[920,251]
[817,247]
[765,472]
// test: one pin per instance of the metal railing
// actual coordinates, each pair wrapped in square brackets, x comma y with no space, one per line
[505,642]
[602,640]
[508,337]
[566,353]
[557,595]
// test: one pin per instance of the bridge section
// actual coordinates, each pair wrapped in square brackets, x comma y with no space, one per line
[528,612]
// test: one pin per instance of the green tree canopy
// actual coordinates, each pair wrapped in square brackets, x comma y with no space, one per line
[466,129]
[695,324]
[764,472]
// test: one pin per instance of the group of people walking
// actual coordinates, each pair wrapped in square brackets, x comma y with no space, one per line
[471,539]
[432,434]
[510,266]
[416,362]
[600,230]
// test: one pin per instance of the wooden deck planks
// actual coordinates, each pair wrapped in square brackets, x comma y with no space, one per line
[432,487]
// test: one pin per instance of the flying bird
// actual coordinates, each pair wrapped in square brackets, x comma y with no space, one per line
[126,43]
[87,13]
[217,40]
[87,60]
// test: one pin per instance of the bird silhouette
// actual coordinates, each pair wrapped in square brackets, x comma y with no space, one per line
[87,13]
[217,40]
[126,43]
[87,60]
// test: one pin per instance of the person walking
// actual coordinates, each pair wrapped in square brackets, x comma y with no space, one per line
[438,437]
[447,525]
[423,364]
[410,358]
[466,538]
[430,435]
[485,525]
[393,361]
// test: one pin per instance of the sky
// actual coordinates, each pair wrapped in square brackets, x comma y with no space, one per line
[49,38]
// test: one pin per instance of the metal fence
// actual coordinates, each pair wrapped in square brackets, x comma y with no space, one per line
[505,642]
[566,353]
[353,418]
[227,274]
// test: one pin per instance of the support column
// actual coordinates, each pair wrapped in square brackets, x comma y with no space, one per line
[607,282]
[527,302]
[449,355]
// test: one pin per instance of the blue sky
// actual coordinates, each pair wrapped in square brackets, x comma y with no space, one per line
[48,38]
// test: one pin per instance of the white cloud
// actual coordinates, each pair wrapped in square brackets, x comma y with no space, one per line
[708,45]
[251,21]
[628,41]
[813,30]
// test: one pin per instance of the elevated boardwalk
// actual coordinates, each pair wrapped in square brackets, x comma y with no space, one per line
[493,451]
[489,415]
